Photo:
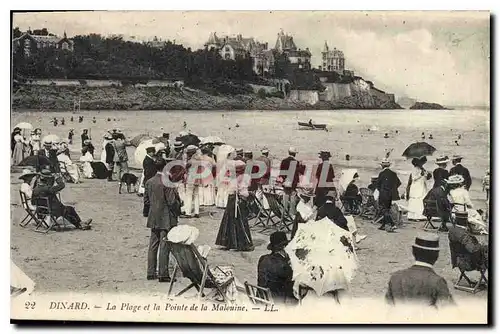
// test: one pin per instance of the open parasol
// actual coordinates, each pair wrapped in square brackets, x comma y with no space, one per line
[139,138]
[51,139]
[211,140]
[419,150]
[140,151]
[345,178]
[188,139]
[322,257]
[35,161]
[24,126]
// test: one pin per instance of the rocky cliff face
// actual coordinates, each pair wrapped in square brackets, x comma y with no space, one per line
[361,100]
[427,106]
[145,98]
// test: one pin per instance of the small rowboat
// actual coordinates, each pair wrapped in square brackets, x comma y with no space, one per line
[312,126]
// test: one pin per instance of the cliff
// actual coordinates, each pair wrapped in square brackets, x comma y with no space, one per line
[428,106]
[142,98]
[360,100]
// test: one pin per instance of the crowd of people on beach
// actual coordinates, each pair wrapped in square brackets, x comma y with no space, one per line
[179,176]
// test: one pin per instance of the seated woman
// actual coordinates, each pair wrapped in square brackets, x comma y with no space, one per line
[459,195]
[63,156]
[352,196]
[29,177]
[86,159]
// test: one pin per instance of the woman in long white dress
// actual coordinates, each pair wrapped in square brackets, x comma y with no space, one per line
[207,188]
[224,161]
[86,160]
[19,152]
[35,141]
[460,197]
[417,190]
[70,167]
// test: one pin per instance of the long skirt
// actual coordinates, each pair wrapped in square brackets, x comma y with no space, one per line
[18,153]
[88,172]
[234,232]
[207,195]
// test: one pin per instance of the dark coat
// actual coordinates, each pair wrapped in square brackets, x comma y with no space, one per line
[333,213]
[465,250]
[352,190]
[52,155]
[50,192]
[293,166]
[322,189]
[264,180]
[387,184]
[161,204]
[84,138]
[275,273]
[458,169]
[439,174]
[110,153]
[417,283]
[439,195]
[148,165]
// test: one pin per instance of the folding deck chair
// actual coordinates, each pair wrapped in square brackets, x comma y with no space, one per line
[431,212]
[43,212]
[258,294]
[368,204]
[196,268]
[347,205]
[64,172]
[278,211]
[263,216]
[30,214]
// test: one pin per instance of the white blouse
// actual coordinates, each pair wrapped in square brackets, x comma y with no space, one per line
[461,196]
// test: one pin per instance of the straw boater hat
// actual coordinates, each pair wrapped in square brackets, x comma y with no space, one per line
[427,241]
[374,178]
[247,152]
[239,151]
[457,157]
[442,160]
[277,240]
[264,150]
[46,174]
[191,148]
[292,150]
[385,162]
[108,136]
[27,173]
[461,218]
[178,144]
[455,179]
[325,154]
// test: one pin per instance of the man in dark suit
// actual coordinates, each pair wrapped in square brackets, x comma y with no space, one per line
[274,270]
[148,164]
[51,154]
[387,186]
[465,250]
[324,177]
[110,155]
[458,169]
[49,186]
[85,136]
[290,171]
[162,208]
[264,180]
[420,283]
[439,174]
[330,210]
[440,195]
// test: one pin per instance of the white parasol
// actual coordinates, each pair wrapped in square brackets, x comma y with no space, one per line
[322,257]
[18,279]
[221,152]
[140,151]
[345,178]
[51,139]
[211,140]
[24,126]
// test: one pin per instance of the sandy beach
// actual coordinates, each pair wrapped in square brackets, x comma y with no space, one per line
[112,256]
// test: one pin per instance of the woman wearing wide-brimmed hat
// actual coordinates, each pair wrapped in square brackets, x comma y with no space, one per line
[234,232]
[460,195]
[28,176]
[19,150]
[440,173]
[417,189]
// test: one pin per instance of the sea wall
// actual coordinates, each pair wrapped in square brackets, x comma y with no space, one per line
[309,96]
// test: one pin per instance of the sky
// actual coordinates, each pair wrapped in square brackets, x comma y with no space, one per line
[441,57]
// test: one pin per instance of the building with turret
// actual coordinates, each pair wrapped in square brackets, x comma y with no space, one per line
[233,47]
[332,60]
[297,57]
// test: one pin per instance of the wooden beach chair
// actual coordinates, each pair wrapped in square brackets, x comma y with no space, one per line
[431,213]
[196,268]
[64,171]
[285,221]
[30,214]
[368,204]
[258,295]
[263,216]
[43,212]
